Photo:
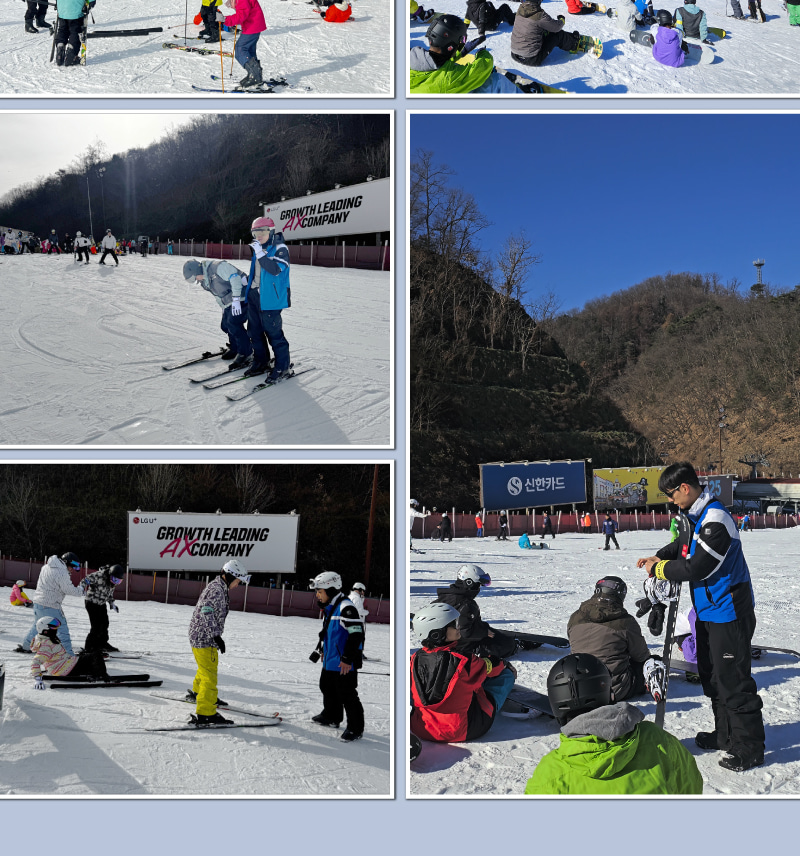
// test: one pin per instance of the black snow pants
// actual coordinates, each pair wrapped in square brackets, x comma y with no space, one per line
[723,663]
[98,621]
[70,32]
[561,39]
[340,696]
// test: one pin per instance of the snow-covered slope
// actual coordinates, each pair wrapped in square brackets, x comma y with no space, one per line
[83,348]
[537,590]
[353,58]
[91,742]
[754,59]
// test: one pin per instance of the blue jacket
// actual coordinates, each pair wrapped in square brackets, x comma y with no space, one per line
[271,277]
[342,634]
[609,526]
[524,542]
[70,10]
[708,554]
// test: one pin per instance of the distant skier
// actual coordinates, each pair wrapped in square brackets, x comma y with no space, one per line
[448,67]
[246,14]
[486,16]
[357,595]
[547,526]
[479,526]
[536,34]
[455,694]
[81,248]
[18,596]
[667,48]
[99,588]
[37,9]
[445,528]
[53,244]
[109,245]
[227,284]
[412,513]
[338,13]
[144,244]
[502,535]
[691,21]
[53,585]
[607,747]
[50,657]
[339,647]
[587,523]
[71,15]
[610,527]
[744,524]
[205,636]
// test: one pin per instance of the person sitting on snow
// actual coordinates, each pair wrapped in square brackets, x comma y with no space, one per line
[51,658]
[668,46]
[449,67]
[419,14]
[18,596]
[338,13]
[607,748]
[692,23]
[525,542]
[455,696]
[536,34]
[627,16]
[486,16]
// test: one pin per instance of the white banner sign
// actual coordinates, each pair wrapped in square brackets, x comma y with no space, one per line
[353,210]
[169,541]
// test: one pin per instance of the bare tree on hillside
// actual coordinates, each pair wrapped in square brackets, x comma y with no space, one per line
[253,491]
[515,261]
[157,486]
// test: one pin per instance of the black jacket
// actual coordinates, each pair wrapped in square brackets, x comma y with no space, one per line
[473,629]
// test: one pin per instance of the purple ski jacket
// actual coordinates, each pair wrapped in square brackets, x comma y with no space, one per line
[667,47]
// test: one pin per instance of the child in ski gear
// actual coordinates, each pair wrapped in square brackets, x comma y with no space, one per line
[50,657]
[18,596]
[227,284]
[269,278]
[475,635]
[99,588]
[109,245]
[607,747]
[36,9]
[794,13]
[52,241]
[479,526]
[535,34]
[587,523]
[486,16]
[81,247]
[628,16]
[708,555]
[205,636]
[341,642]
[685,635]
[609,528]
[449,67]
[208,15]
[246,14]
[667,48]
[53,585]
[691,21]
[455,695]
[503,521]
[71,22]
[744,523]
[338,13]
[445,528]
[547,526]
[602,627]
[525,542]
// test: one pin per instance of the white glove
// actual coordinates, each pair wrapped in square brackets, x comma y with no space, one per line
[659,591]
[39,685]
[257,249]
[655,677]
[220,17]
[236,306]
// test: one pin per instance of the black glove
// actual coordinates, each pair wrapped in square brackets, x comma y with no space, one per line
[707,42]
[655,623]
[642,606]
[220,643]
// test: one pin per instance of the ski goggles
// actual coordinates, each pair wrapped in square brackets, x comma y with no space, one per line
[116,580]
[54,624]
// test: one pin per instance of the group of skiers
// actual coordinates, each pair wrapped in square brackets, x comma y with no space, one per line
[461,677]
[256,299]
[340,645]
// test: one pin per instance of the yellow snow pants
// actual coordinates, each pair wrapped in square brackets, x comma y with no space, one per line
[205,681]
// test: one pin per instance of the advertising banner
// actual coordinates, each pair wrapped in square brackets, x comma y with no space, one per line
[172,541]
[529,484]
[353,210]
[624,487]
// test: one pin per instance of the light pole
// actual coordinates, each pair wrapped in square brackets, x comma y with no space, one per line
[100,174]
[721,426]
[88,196]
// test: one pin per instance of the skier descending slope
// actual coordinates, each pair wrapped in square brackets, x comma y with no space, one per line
[607,748]
[708,554]
[205,635]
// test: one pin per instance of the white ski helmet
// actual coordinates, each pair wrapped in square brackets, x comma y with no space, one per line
[77,234]
[236,569]
[413,502]
[359,587]
[21,583]
[326,580]
[431,623]
[46,623]
[473,576]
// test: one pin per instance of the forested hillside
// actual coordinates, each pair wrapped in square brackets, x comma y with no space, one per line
[204,180]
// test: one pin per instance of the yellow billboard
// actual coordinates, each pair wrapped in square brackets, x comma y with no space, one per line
[624,487]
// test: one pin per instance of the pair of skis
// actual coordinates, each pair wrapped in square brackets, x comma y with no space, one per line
[192,725]
[82,682]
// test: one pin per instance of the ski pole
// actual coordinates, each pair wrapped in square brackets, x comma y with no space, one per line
[221,61]
[186,22]
[233,53]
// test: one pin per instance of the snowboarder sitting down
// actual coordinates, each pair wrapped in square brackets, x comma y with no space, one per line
[535,34]
[455,696]
[691,22]
[607,748]
[338,13]
[486,16]
[449,67]
[18,596]
[50,657]
[668,46]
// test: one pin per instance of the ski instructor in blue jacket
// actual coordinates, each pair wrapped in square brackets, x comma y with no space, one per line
[708,555]
[269,279]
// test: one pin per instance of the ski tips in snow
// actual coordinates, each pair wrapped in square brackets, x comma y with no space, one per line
[268,384]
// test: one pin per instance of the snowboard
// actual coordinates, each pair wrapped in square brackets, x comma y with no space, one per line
[689,669]
[697,55]
[2,682]
[586,44]
[525,698]
[416,747]
[669,639]
[757,650]
[537,639]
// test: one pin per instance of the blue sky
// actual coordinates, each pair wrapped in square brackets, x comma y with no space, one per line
[613,199]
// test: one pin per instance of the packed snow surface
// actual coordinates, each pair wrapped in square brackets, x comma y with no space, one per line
[353,58]
[93,742]
[91,343]
[536,591]
[753,59]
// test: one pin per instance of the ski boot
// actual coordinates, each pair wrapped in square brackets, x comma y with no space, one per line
[321,719]
[253,69]
[203,721]
[257,369]
[70,57]
[349,736]
[29,28]
[60,48]
[43,25]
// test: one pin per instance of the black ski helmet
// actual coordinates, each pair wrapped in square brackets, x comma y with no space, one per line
[577,683]
[191,269]
[611,587]
[664,18]
[448,32]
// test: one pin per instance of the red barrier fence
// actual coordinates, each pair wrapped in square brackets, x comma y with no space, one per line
[361,256]
[464,523]
[137,586]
